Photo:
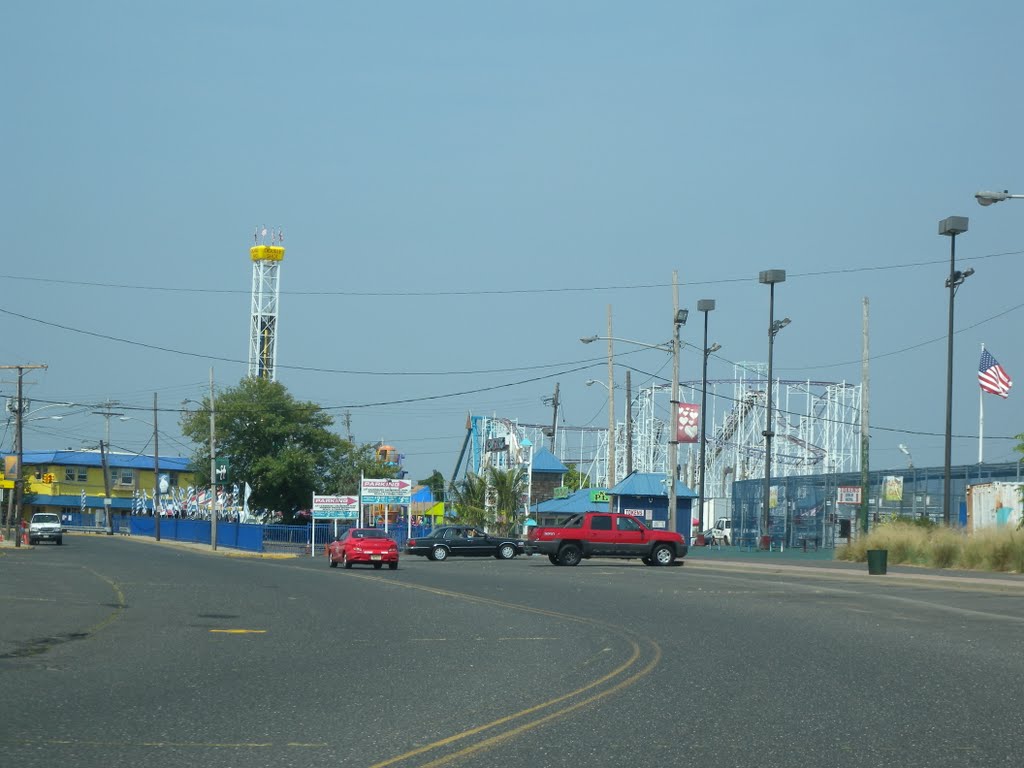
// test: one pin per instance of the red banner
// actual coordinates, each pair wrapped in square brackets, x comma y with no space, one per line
[688,423]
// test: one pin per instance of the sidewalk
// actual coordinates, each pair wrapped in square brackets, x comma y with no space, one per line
[194,547]
[796,560]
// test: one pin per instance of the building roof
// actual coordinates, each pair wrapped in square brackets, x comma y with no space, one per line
[574,503]
[93,459]
[545,461]
[649,484]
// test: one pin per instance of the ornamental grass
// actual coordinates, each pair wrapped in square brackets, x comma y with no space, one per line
[935,546]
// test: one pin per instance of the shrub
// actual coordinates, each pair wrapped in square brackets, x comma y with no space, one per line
[945,548]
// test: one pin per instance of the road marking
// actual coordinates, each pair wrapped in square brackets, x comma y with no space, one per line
[240,631]
[552,704]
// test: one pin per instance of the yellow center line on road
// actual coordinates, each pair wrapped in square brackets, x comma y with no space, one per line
[240,631]
[634,658]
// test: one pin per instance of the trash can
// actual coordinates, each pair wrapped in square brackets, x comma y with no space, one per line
[877,561]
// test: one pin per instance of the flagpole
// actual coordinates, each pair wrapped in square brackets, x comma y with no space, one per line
[981,415]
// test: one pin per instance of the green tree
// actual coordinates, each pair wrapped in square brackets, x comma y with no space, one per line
[468,498]
[574,480]
[282,447]
[436,483]
[507,487]
[493,500]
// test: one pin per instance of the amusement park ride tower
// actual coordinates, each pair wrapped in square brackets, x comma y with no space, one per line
[266,265]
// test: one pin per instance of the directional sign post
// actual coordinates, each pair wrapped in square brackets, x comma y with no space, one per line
[386,491]
[332,508]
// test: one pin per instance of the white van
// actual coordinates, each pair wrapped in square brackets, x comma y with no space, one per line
[721,531]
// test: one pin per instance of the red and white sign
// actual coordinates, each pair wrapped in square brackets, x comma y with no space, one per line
[848,494]
[688,423]
[342,507]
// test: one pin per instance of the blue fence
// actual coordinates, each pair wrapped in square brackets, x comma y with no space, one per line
[250,537]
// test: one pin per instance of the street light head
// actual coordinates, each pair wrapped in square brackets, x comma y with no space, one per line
[904,449]
[705,305]
[590,382]
[772,276]
[714,348]
[953,225]
[987,198]
[681,316]
[785,321]
[588,339]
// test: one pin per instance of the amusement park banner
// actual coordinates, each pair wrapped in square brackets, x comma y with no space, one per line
[688,423]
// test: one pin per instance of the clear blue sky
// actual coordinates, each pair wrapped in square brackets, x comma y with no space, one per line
[466,186]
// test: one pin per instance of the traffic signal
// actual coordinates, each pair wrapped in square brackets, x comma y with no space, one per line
[48,477]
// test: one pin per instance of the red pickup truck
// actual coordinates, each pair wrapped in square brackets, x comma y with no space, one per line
[605,534]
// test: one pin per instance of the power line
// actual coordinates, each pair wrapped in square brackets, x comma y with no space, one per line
[496,291]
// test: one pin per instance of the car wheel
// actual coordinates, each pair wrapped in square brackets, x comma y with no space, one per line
[725,541]
[570,554]
[378,566]
[506,551]
[345,561]
[332,561]
[32,542]
[663,555]
[440,553]
[60,542]
[554,559]
[393,566]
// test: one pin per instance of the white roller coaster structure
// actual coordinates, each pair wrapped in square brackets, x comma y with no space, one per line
[816,425]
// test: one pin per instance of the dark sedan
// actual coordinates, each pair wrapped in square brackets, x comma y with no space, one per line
[464,541]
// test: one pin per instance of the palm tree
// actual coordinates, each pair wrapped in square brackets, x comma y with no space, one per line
[493,500]
[507,487]
[469,500]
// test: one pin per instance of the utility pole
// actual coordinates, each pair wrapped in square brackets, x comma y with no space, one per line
[865,476]
[19,477]
[156,474]
[554,418]
[213,472]
[106,413]
[611,411]
[106,489]
[348,426]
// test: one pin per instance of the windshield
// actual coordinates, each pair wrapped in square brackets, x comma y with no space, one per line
[45,517]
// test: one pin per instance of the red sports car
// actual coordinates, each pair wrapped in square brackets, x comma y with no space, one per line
[363,545]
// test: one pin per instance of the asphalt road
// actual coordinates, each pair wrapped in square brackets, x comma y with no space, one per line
[122,652]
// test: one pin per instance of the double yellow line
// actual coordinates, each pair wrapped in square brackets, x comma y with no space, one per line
[637,666]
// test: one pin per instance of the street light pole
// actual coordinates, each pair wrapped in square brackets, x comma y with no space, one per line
[987,198]
[673,436]
[705,306]
[769,277]
[951,227]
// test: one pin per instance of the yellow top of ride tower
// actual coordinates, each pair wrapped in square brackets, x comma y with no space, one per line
[267,253]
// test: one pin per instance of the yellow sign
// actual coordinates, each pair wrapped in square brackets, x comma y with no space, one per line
[267,253]
[892,489]
[10,467]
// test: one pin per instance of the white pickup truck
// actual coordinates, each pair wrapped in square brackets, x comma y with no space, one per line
[45,526]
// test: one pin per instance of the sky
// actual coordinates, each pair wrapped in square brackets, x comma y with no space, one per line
[465,188]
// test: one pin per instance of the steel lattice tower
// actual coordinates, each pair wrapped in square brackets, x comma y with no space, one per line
[266,266]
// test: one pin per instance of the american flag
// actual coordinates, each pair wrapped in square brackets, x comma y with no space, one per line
[992,377]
